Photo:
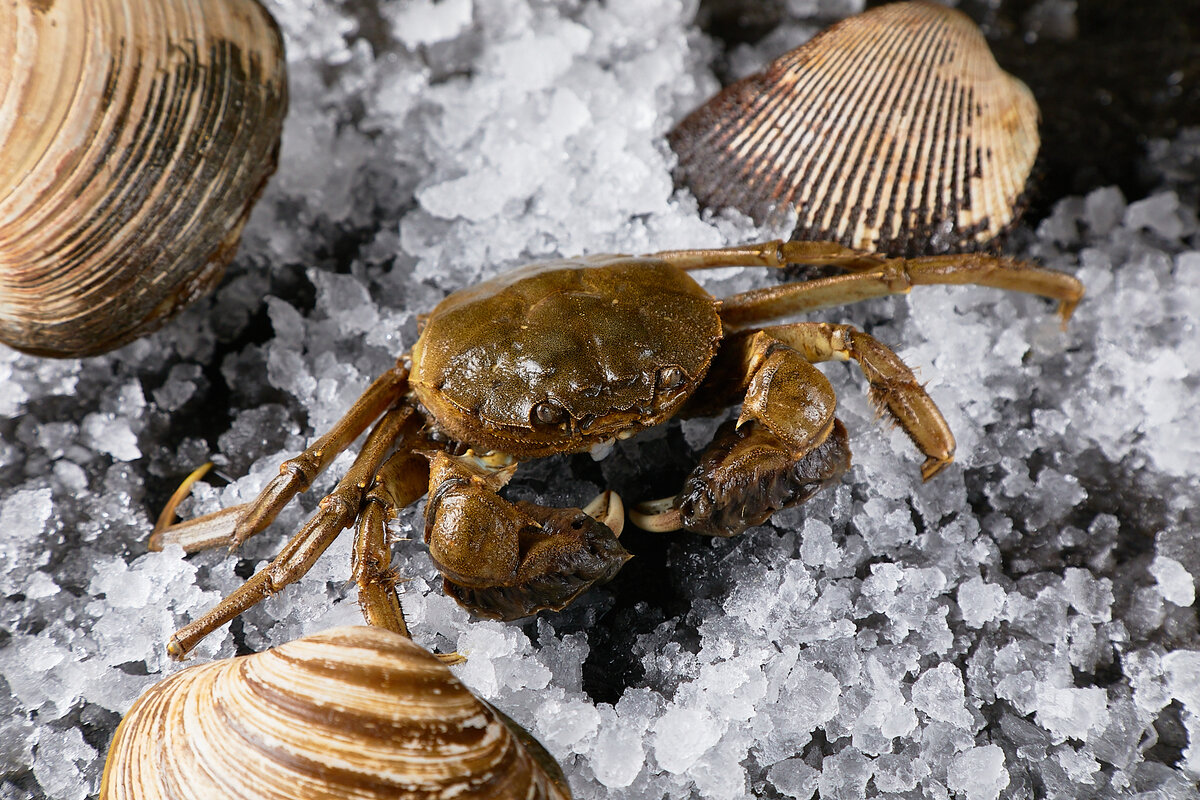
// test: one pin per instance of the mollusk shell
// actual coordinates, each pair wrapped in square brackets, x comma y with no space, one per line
[136,136]
[347,713]
[893,131]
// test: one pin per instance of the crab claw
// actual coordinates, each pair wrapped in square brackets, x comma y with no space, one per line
[659,516]
[509,560]
[608,509]
[745,476]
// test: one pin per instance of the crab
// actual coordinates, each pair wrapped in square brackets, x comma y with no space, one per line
[566,355]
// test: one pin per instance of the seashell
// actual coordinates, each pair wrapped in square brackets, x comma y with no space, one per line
[351,712]
[136,136]
[893,131]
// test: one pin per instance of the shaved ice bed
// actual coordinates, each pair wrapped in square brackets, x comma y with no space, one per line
[1022,625]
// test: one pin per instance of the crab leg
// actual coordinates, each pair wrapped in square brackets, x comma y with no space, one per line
[337,511]
[234,525]
[297,474]
[401,480]
[898,276]
[876,276]
[775,253]
[893,387]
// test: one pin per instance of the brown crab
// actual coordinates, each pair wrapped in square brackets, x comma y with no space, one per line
[561,356]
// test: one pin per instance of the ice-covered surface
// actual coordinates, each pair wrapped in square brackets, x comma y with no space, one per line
[1023,625]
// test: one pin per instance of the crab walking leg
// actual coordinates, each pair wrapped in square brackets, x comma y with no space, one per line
[234,525]
[893,387]
[898,276]
[200,533]
[401,481]
[337,511]
[509,560]
[775,253]
[297,474]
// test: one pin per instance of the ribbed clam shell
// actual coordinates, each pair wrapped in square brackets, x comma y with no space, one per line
[894,130]
[347,713]
[136,135]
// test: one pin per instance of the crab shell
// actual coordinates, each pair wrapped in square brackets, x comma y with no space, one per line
[347,713]
[560,356]
[136,136]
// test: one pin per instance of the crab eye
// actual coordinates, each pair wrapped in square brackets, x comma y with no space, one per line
[670,378]
[549,412]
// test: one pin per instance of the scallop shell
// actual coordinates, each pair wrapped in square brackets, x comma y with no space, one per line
[136,136]
[348,713]
[893,131]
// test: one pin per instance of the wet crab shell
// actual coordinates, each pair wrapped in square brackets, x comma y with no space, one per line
[595,338]
[136,136]
[893,131]
[347,713]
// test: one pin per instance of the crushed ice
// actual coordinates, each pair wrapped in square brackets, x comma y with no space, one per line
[1024,622]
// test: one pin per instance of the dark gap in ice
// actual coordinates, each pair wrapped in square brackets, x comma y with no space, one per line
[1124,79]
[613,664]
[244,568]
[133,668]
[1172,736]
[96,724]
[237,630]
[1104,674]
[22,783]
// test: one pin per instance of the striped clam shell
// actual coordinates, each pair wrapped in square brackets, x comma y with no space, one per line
[893,131]
[348,713]
[136,135]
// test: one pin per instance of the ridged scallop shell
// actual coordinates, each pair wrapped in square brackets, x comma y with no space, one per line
[136,135]
[894,131]
[347,713]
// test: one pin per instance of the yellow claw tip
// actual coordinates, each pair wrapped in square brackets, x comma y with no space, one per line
[933,465]
[167,517]
[1065,309]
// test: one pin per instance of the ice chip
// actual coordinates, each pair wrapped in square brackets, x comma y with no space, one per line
[1071,713]
[979,602]
[844,776]
[939,692]
[57,764]
[618,755]
[1088,595]
[793,778]
[111,434]
[563,725]
[1158,212]
[978,773]
[1103,209]
[1181,669]
[425,21]
[1174,581]
[681,735]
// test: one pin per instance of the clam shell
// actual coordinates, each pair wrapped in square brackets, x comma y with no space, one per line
[893,131]
[348,713]
[136,136]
